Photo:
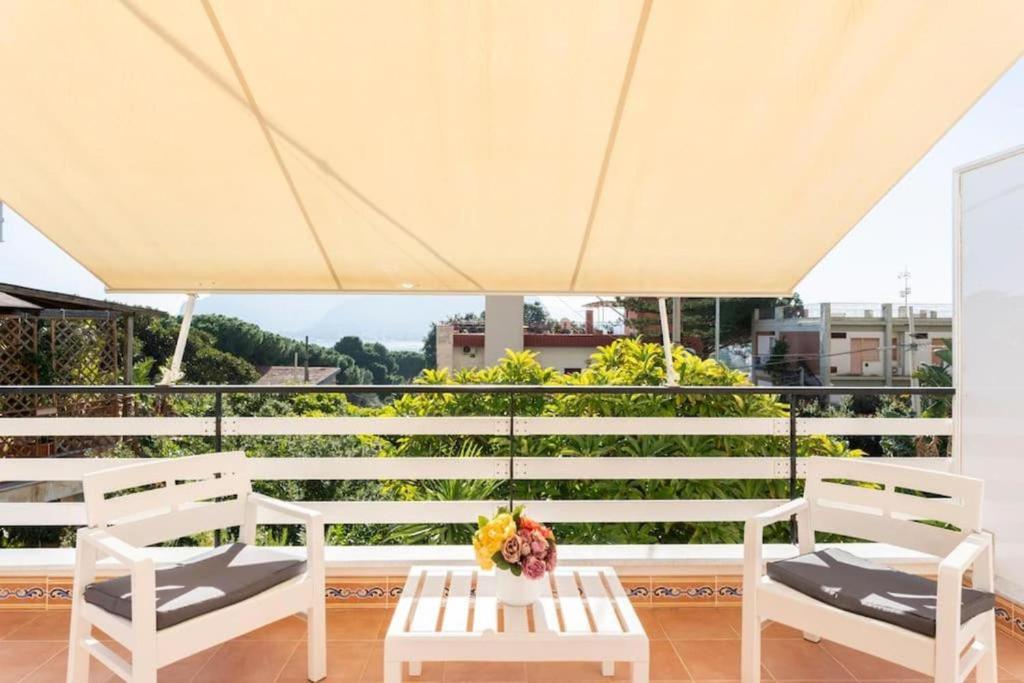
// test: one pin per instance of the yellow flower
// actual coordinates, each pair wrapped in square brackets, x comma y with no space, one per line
[489,539]
[483,557]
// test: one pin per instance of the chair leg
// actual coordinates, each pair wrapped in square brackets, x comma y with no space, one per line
[78,655]
[316,646]
[750,657]
[986,671]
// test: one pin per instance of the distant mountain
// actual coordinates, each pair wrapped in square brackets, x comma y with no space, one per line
[396,321]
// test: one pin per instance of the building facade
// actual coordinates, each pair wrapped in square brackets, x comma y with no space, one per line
[848,344]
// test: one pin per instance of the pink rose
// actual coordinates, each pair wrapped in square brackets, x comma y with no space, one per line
[510,549]
[551,561]
[525,548]
[534,568]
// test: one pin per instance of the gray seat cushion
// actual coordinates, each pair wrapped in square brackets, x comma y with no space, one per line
[863,587]
[207,582]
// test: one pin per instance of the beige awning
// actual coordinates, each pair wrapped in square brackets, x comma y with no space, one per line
[665,147]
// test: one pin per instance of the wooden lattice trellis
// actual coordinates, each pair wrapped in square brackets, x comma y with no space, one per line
[55,350]
[19,346]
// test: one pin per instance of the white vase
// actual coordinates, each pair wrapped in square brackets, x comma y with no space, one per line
[517,591]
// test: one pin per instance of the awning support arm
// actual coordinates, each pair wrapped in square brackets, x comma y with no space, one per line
[666,344]
[174,373]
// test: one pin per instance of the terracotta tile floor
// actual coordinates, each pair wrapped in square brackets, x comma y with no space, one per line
[687,644]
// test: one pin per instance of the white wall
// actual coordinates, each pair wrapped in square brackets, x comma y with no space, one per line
[989,217]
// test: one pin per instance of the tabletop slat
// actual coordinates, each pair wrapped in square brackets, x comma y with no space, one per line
[601,608]
[515,619]
[428,607]
[573,611]
[485,606]
[545,616]
[456,610]
[632,621]
[405,604]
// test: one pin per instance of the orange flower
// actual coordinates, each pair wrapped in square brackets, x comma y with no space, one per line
[528,524]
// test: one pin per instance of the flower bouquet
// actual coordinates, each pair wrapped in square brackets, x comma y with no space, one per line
[522,549]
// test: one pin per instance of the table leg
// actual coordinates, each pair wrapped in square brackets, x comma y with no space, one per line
[415,668]
[392,672]
[608,669]
[641,672]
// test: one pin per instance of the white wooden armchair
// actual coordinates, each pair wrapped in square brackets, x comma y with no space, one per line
[943,630]
[165,614]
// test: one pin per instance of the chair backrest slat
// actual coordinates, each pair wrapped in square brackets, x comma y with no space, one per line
[188,520]
[169,487]
[905,506]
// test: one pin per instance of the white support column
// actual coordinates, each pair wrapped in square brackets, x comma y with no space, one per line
[503,327]
[174,373]
[666,343]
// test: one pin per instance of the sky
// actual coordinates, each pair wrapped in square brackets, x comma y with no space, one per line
[910,228]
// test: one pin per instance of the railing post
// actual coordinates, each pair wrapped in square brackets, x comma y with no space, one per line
[218,441]
[792,464]
[218,416]
[511,451]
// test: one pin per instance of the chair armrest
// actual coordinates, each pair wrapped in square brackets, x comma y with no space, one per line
[753,536]
[296,512]
[976,548]
[780,513]
[110,546]
[956,563]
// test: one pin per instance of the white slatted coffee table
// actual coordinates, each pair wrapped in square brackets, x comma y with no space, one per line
[451,614]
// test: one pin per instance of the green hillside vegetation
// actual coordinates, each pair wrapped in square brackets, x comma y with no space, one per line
[225,350]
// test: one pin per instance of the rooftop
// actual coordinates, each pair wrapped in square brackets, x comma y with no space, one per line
[294,374]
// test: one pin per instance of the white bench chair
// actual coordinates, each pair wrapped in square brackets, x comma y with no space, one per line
[943,630]
[164,614]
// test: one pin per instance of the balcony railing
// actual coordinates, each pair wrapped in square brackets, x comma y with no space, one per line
[512,467]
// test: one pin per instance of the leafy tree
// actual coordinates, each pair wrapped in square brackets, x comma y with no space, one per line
[699,318]
[409,364]
[624,362]
[203,362]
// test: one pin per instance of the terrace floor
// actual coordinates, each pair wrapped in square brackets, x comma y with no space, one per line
[687,644]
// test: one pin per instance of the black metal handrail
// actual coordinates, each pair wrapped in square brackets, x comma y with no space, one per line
[800,391]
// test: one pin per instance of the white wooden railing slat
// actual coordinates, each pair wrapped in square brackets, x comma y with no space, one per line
[384,426]
[107,426]
[526,468]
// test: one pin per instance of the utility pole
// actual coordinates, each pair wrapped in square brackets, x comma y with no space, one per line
[915,401]
[305,373]
[718,327]
[677,320]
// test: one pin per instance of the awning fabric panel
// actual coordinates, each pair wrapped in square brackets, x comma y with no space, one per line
[609,147]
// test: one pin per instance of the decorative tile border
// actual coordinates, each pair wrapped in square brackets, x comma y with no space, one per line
[728,590]
[683,590]
[58,593]
[638,588]
[360,592]
[23,593]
